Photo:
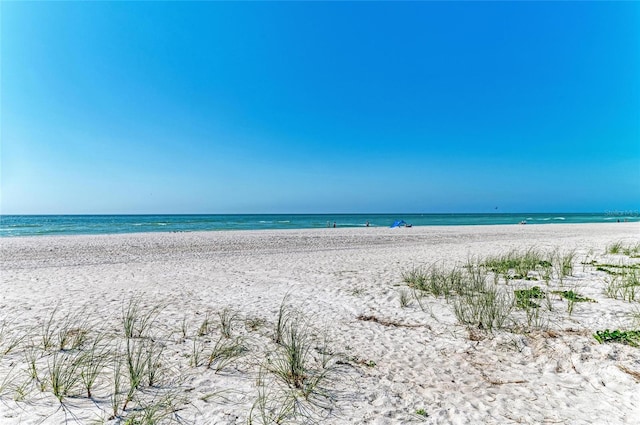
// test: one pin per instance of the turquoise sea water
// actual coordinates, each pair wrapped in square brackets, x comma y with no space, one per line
[34,225]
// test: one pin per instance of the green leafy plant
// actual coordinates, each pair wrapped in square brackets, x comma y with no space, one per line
[422,412]
[574,296]
[631,338]
[524,297]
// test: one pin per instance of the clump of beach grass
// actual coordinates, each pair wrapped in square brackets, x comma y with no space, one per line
[630,250]
[92,363]
[284,316]
[516,264]
[205,326]
[72,332]
[63,374]
[254,323]
[224,352]
[483,304]
[227,318]
[49,331]
[136,319]
[435,280]
[10,340]
[614,248]
[487,310]
[68,357]
[197,353]
[404,297]
[624,285]
[294,381]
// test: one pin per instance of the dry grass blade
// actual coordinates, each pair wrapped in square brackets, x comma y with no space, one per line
[385,322]
[634,373]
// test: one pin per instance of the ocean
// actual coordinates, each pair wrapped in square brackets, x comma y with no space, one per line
[38,225]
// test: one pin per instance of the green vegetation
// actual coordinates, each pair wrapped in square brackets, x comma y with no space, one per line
[136,319]
[405,298]
[435,280]
[614,248]
[422,412]
[616,269]
[625,285]
[574,297]
[631,250]
[524,297]
[515,264]
[294,382]
[224,352]
[125,369]
[478,294]
[631,338]
[486,309]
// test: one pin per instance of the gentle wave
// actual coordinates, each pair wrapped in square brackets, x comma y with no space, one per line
[11,226]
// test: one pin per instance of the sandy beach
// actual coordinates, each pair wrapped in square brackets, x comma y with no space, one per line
[377,361]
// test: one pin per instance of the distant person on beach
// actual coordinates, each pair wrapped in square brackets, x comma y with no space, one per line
[367,224]
[334,224]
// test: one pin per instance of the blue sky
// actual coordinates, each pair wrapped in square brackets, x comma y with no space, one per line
[216,107]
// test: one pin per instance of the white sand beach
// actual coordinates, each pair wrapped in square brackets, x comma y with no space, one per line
[384,363]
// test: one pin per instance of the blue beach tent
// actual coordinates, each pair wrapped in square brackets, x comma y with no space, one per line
[398,223]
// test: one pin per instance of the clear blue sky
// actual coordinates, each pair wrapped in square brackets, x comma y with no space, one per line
[209,107]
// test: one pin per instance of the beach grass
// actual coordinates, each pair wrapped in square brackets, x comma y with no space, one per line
[224,352]
[480,298]
[516,264]
[227,319]
[488,309]
[404,297]
[136,319]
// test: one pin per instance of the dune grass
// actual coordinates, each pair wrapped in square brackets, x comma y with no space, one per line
[435,280]
[516,264]
[294,383]
[624,285]
[488,309]
[124,370]
[630,250]
[479,294]
[136,319]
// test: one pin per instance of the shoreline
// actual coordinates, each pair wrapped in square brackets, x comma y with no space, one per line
[323,229]
[16,226]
